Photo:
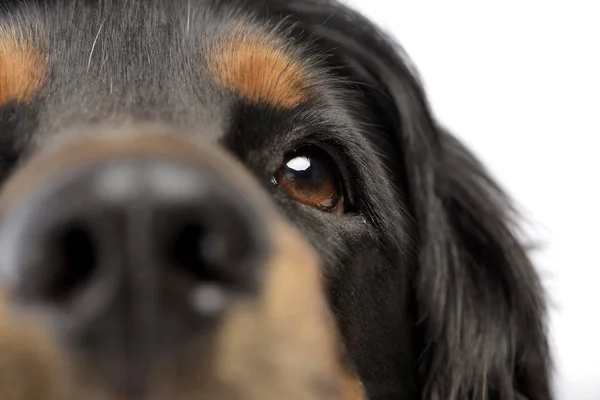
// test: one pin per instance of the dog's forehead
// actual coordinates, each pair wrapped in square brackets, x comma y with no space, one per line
[182,62]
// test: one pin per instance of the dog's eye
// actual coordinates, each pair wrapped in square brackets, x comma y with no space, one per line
[310,176]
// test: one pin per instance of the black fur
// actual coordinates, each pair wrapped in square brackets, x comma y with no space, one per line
[434,294]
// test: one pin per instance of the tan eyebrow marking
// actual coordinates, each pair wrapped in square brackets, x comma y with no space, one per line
[22,66]
[258,67]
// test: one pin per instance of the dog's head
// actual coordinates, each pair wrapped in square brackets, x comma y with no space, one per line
[181,179]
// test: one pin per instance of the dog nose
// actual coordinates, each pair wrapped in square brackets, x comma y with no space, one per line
[150,243]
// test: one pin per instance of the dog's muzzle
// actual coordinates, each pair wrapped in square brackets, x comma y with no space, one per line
[155,265]
[133,251]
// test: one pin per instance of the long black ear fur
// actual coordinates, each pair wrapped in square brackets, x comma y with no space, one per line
[480,303]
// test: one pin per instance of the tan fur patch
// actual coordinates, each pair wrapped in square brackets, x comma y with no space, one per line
[22,66]
[29,360]
[352,388]
[257,67]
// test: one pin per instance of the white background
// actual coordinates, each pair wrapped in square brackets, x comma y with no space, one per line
[519,82]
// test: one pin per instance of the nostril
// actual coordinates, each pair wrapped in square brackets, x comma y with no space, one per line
[74,256]
[189,257]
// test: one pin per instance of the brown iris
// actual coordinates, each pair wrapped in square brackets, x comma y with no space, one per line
[310,177]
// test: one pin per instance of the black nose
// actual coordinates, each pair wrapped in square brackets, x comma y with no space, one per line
[152,244]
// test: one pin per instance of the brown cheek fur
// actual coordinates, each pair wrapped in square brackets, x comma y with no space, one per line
[22,66]
[31,364]
[257,67]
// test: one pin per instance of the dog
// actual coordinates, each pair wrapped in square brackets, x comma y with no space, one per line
[246,199]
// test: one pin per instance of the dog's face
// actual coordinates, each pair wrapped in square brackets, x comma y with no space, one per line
[183,178]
